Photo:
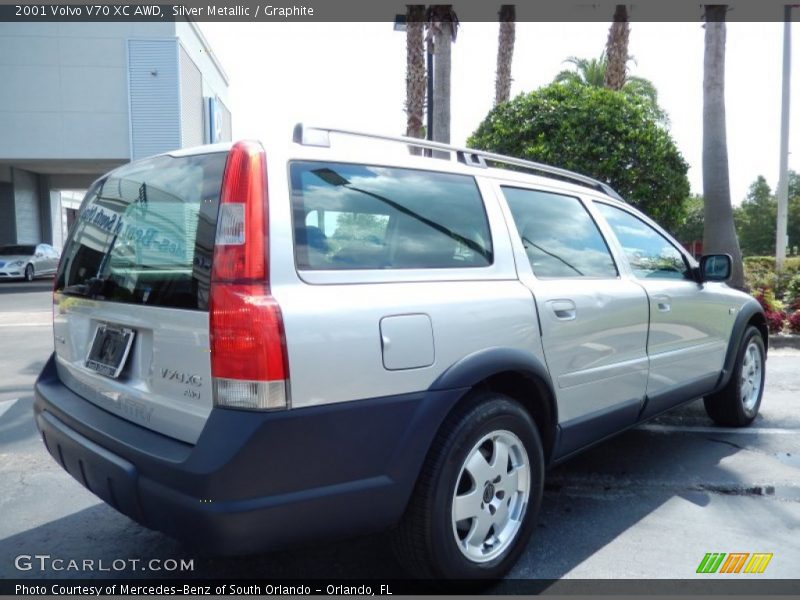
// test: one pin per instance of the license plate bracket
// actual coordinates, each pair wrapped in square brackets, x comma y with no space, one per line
[109,350]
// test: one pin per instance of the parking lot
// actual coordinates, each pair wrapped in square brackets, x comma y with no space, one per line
[648,504]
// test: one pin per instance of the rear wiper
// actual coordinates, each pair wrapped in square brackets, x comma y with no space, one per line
[77,289]
[92,287]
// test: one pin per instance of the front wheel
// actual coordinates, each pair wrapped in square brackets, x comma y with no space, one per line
[29,273]
[737,404]
[476,501]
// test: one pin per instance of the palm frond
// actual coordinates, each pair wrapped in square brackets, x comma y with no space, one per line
[567,76]
[588,71]
[642,87]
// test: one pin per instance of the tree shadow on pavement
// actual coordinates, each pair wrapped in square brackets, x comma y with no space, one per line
[571,527]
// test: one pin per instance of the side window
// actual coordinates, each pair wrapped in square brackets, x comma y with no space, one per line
[365,217]
[559,235]
[649,253]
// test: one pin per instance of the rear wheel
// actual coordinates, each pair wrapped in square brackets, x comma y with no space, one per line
[737,404]
[29,273]
[475,504]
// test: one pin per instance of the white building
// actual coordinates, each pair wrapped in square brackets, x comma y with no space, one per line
[78,99]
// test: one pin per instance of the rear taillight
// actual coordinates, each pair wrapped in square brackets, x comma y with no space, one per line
[248,348]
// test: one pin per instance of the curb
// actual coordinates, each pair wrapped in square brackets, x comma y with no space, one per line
[784,340]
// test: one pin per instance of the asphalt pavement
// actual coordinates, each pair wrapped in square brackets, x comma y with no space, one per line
[648,504]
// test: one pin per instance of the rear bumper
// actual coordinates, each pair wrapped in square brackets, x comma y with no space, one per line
[254,481]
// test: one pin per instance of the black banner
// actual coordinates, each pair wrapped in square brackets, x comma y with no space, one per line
[253,587]
[371,10]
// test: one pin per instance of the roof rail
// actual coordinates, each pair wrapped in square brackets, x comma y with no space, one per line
[320,136]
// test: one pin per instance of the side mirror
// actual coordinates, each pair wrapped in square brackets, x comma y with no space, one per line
[715,267]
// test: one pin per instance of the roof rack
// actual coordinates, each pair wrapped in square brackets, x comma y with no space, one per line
[320,136]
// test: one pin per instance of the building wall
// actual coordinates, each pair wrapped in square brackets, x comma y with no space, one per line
[26,207]
[215,81]
[192,109]
[8,218]
[226,123]
[56,220]
[153,85]
[77,99]
[45,211]
[214,78]
[70,202]
[64,90]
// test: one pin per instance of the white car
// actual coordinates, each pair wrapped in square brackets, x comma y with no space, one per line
[27,261]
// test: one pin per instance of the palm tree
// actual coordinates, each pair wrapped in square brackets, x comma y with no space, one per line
[442,31]
[505,53]
[592,72]
[416,76]
[719,234]
[617,49]
[588,71]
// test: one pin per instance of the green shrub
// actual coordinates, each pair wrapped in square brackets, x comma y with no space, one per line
[790,265]
[794,322]
[759,272]
[792,294]
[612,136]
[775,321]
[766,298]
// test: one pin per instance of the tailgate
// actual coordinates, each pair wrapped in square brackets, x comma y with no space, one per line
[131,321]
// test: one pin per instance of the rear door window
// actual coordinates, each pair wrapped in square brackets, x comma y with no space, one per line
[559,236]
[350,216]
[145,234]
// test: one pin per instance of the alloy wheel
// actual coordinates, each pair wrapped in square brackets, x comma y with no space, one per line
[491,496]
[750,382]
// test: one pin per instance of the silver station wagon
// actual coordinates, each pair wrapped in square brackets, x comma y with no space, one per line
[261,345]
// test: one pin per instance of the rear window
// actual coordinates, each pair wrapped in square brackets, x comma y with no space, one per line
[145,234]
[350,216]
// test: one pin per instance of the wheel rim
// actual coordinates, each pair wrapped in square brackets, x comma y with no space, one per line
[29,273]
[750,382]
[491,496]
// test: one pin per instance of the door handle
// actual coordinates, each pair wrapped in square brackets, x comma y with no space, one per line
[662,303]
[564,310]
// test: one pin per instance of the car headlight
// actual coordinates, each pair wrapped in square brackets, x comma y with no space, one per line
[17,263]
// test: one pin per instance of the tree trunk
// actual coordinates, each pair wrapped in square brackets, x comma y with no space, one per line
[505,53]
[719,235]
[442,42]
[416,76]
[617,49]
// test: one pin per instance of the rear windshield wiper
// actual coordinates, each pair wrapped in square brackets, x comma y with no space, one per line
[76,289]
[92,288]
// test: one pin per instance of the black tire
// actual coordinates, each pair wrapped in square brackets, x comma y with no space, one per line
[30,274]
[728,407]
[425,541]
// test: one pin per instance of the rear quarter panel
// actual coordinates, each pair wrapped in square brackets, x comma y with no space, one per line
[332,318]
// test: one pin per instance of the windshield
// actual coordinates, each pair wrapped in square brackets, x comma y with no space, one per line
[145,234]
[17,250]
